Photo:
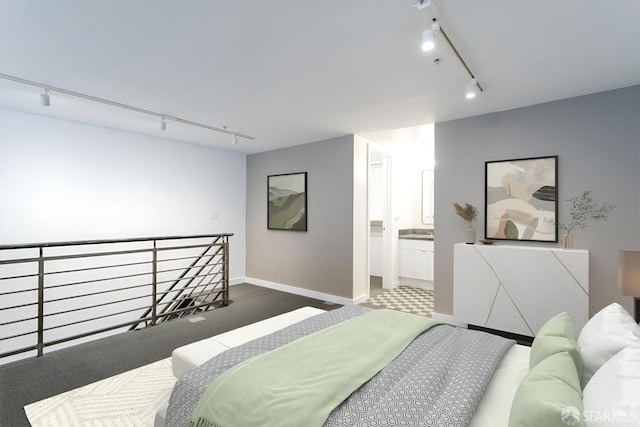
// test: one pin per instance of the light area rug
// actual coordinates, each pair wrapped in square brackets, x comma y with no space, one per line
[128,399]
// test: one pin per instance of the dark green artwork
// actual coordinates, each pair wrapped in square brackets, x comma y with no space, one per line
[287,207]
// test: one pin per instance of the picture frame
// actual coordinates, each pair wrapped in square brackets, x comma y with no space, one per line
[521,199]
[287,201]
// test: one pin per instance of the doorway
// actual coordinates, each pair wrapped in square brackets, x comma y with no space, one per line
[401,164]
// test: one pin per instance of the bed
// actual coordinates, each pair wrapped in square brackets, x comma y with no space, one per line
[517,390]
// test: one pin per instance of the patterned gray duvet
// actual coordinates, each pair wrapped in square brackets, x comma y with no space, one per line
[437,381]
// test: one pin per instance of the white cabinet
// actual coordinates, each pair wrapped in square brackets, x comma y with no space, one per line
[416,259]
[518,288]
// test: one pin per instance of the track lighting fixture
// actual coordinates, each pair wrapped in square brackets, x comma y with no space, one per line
[45,100]
[428,43]
[470,89]
[234,139]
[429,35]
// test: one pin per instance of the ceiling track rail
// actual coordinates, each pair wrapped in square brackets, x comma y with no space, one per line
[162,116]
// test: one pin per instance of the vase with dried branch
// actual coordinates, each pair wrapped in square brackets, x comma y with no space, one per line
[469,213]
[583,209]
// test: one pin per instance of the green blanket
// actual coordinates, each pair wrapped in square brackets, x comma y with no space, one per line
[300,383]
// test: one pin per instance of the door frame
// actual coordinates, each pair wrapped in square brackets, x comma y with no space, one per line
[387,241]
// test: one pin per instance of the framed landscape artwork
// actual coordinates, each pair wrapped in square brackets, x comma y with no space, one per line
[521,199]
[287,202]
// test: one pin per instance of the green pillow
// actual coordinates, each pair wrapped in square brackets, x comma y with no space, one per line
[556,336]
[549,395]
[559,325]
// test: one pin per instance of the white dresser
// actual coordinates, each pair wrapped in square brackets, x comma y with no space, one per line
[518,288]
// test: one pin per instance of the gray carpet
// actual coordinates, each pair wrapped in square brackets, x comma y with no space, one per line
[29,381]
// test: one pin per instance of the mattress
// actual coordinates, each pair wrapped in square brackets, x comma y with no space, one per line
[493,409]
[189,356]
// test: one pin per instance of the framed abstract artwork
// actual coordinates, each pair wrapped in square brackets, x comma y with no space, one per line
[521,199]
[287,201]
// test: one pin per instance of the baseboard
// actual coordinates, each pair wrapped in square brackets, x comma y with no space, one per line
[416,283]
[303,292]
[237,281]
[447,318]
[361,298]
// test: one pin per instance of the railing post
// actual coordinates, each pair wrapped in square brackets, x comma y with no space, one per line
[226,270]
[40,301]
[154,286]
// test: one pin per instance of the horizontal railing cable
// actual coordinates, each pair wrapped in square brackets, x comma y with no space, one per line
[89,307]
[104,279]
[100,267]
[51,328]
[19,292]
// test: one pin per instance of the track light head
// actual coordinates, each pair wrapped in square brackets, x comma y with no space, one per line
[234,139]
[471,89]
[429,36]
[428,42]
[163,123]
[45,100]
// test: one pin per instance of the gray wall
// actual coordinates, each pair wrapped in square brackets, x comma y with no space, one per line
[597,140]
[320,259]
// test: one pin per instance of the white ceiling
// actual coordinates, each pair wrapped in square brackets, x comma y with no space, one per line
[290,72]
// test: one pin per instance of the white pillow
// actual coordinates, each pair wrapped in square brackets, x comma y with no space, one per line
[604,335]
[611,397]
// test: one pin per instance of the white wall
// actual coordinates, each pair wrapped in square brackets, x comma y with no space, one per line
[63,180]
[411,151]
[376,193]
[409,159]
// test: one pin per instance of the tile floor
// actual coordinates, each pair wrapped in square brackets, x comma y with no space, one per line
[404,298]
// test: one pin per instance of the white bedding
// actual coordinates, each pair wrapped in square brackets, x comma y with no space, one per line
[493,410]
[495,405]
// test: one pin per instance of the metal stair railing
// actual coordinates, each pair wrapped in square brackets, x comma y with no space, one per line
[58,292]
[185,297]
[178,299]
